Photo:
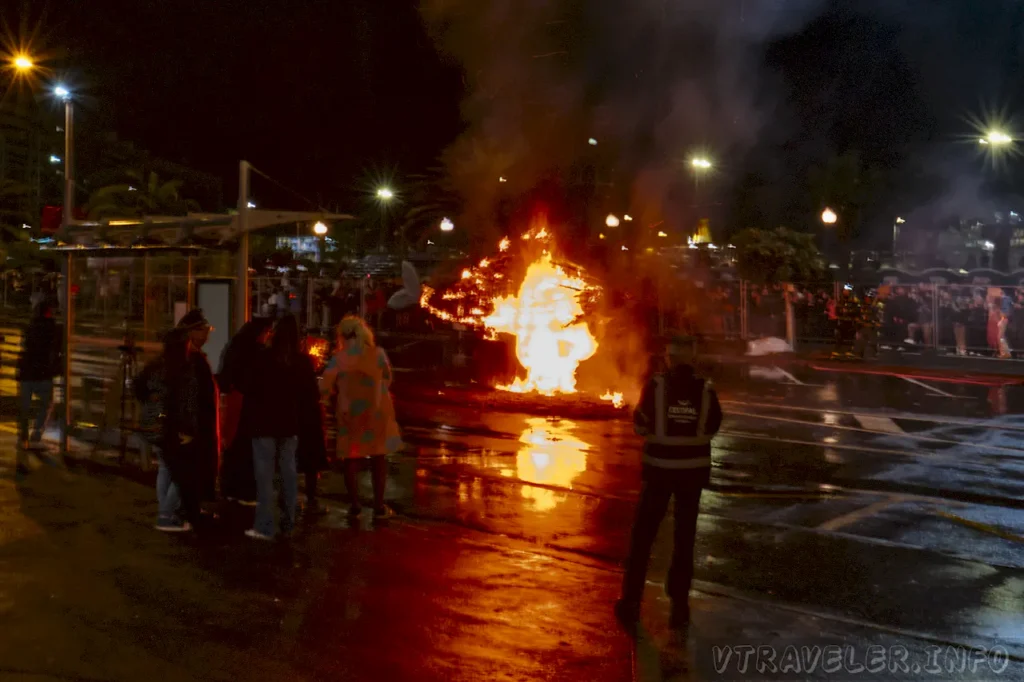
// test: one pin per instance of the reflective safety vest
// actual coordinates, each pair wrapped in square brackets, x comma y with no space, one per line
[678,415]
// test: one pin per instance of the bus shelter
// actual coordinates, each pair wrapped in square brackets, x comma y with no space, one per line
[178,236]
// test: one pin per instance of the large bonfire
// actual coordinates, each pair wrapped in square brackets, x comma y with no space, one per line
[546,312]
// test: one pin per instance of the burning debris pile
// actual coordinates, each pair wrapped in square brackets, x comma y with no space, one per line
[547,311]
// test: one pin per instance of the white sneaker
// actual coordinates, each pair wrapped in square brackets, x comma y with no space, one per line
[256,535]
[174,528]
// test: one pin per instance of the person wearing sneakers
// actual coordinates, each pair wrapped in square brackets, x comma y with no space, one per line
[357,382]
[277,395]
[677,416]
[39,363]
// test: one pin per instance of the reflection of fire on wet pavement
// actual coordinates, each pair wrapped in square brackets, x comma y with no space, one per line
[549,455]
[549,314]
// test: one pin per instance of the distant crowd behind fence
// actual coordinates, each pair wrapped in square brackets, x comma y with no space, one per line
[966,319]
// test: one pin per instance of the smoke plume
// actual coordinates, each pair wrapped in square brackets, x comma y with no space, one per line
[651,81]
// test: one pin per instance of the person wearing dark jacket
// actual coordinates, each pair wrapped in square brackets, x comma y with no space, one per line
[240,359]
[204,403]
[39,363]
[275,418]
[677,416]
[160,387]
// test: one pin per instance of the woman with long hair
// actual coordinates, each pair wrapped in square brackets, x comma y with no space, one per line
[274,419]
[240,359]
[358,381]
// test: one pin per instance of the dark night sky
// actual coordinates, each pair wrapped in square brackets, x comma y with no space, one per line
[318,92]
[313,92]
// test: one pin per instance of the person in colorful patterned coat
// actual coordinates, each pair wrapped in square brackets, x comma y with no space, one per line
[357,382]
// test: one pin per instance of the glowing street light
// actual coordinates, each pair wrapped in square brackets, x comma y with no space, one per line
[447,225]
[996,138]
[592,142]
[612,220]
[662,234]
[62,92]
[627,217]
[22,63]
[829,217]
[320,229]
[700,163]
[385,194]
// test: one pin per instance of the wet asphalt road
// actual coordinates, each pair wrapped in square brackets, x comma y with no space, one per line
[895,504]
[844,507]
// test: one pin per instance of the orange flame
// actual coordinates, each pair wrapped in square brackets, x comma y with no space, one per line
[545,316]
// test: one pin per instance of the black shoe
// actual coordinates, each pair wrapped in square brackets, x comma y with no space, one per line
[628,615]
[679,619]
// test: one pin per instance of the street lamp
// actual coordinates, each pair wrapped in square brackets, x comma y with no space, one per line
[995,138]
[22,63]
[829,217]
[447,225]
[612,220]
[64,94]
[319,229]
[385,194]
[700,163]
[895,235]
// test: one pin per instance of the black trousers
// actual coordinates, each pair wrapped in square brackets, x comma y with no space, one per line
[659,487]
[183,462]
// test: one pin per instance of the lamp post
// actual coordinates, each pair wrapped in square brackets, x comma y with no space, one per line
[384,196]
[320,230]
[895,236]
[69,202]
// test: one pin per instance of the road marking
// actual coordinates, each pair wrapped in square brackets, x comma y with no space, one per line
[858,514]
[934,456]
[900,434]
[883,424]
[788,375]
[983,527]
[906,416]
[926,386]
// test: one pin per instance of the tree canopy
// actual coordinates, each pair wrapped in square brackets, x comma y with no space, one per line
[779,255]
[143,194]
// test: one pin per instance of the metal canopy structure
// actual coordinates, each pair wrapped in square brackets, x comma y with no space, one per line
[153,235]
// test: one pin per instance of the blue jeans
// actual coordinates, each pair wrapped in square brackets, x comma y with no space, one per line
[264,453]
[42,389]
[168,499]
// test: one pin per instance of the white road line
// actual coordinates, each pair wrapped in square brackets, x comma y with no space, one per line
[926,386]
[932,456]
[788,375]
[906,416]
[883,424]
[858,514]
[901,434]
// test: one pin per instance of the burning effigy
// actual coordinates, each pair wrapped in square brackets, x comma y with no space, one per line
[546,307]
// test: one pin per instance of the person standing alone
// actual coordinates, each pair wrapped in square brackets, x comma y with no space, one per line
[39,363]
[677,416]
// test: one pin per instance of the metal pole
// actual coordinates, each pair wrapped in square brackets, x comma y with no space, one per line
[242,278]
[188,284]
[145,295]
[69,203]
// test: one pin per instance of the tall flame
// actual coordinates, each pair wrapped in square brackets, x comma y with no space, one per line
[545,316]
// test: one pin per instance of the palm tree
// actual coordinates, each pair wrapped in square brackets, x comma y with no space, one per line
[143,195]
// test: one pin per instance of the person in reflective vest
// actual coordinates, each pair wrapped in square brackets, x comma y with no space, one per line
[677,416]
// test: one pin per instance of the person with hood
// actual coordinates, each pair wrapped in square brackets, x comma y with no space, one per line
[204,401]
[39,363]
[240,359]
[277,396]
[678,414]
[357,381]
